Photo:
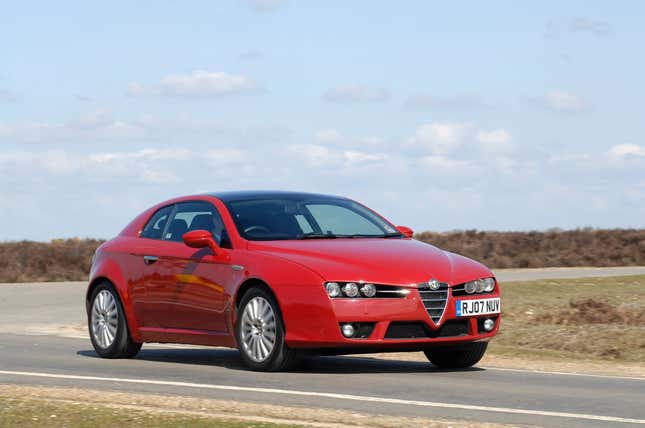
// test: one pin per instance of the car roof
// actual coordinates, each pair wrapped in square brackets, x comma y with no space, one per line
[268,194]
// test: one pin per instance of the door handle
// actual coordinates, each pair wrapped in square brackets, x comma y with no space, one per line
[150,259]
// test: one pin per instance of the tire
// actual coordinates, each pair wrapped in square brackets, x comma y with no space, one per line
[457,356]
[110,337]
[254,333]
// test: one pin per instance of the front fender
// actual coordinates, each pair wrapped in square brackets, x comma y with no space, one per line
[306,309]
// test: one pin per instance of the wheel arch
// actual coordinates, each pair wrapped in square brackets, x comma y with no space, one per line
[92,286]
[250,283]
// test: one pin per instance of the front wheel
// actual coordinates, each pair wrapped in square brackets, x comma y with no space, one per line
[457,356]
[260,333]
[108,326]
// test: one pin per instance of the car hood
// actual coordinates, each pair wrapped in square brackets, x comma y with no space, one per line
[384,261]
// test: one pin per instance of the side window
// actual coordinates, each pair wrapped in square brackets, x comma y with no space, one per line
[155,226]
[191,216]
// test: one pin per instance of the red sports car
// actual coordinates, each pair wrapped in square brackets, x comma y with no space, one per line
[280,274]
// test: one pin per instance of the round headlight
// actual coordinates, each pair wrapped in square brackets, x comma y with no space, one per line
[350,289]
[489,285]
[333,289]
[368,290]
[470,287]
[480,285]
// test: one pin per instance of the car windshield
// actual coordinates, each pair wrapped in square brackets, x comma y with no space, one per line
[267,219]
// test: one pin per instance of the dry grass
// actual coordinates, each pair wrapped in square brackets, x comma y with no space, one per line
[58,260]
[41,406]
[554,248]
[590,318]
[69,259]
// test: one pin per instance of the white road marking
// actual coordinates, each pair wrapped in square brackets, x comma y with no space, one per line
[505,369]
[333,396]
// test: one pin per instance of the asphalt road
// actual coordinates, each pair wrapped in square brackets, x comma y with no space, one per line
[33,351]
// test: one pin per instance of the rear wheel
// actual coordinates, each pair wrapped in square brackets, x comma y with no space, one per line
[108,326]
[457,356]
[260,333]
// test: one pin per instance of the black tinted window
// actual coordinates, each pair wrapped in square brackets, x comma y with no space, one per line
[191,216]
[276,219]
[155,226]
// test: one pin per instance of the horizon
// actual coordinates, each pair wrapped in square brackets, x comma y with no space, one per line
[422,231]
[441,117]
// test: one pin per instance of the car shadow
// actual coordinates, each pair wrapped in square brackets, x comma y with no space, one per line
[230,359]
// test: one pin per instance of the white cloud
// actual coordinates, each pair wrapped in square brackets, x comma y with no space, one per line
[7,96]
[424,101]
[93,120]
[356,93]
[266,5]
[314,154]
[147,154]
[198,84]
[441,137]
[494,141]
[561,101]
[225,156]
[252,55]
[595,27]
[356,157]
[444,163]
[329,136]
[622,151]
[555,29]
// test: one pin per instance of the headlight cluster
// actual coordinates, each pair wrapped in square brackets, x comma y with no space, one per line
[485,285]
[350,289]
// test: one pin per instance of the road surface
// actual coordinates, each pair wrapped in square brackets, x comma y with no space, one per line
[366,385]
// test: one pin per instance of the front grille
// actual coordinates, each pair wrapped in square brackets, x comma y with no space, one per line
[434,300]
[418,330]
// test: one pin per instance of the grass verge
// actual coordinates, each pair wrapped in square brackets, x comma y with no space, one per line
[38,412]
[31,406]
[589,318]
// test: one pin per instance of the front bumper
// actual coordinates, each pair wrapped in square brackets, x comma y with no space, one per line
[398,324]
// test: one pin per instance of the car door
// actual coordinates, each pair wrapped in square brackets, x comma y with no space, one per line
[194,282]
[147,276]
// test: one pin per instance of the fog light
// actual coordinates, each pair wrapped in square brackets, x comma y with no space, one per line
[368,290]
[350,289]
[348,330]
[489,324]
[333,289]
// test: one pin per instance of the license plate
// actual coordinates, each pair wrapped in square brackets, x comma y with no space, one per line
[478,307]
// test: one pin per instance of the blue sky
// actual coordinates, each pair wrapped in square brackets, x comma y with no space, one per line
[459,115]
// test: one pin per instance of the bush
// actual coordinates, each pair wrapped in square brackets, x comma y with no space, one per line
[552,248]
[69,259]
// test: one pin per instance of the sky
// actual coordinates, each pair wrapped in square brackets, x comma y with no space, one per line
[497,115]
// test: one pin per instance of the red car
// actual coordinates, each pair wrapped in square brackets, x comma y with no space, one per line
[281,274]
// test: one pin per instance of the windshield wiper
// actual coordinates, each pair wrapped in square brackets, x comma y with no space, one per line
[316,236]
[385,235]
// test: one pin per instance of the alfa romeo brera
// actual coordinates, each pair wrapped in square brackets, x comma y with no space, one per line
[283,274]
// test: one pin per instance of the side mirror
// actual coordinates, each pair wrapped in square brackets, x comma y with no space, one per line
[200,239]
[406,231]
